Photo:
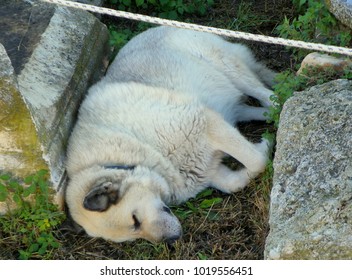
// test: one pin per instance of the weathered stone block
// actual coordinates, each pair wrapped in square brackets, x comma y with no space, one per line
[311,199]
[20,148]
[56,54]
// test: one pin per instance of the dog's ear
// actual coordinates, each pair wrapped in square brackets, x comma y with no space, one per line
[101,197]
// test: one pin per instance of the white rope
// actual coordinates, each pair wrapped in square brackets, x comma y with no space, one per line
[222,32]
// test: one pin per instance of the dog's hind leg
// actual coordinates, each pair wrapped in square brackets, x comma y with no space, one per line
[239,64]
[229,181]
[261,93]
[266,75]
[249,84]
[246,80]
[250,113]
[223,137]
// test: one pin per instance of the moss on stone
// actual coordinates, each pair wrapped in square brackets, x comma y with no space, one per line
[19,145]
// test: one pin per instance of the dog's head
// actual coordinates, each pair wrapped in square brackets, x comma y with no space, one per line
[122,204]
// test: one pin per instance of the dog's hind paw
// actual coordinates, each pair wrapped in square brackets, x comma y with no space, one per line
[262,158]
[230,181]
[264,146]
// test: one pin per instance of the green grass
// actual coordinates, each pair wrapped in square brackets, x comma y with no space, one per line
[313,23]
[170,9]
[31,217]
[288,83]
[247,19]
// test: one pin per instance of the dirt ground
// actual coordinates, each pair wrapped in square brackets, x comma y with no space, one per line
[237,227]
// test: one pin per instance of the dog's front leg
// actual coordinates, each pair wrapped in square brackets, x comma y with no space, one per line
[223,137]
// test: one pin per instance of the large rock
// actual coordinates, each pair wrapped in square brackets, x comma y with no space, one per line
[20,149]
[311,200]
[55,54]
[342,10]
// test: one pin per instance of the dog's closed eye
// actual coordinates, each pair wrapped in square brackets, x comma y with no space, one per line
[137,223]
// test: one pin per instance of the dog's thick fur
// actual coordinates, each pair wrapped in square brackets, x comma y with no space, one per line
[167,106]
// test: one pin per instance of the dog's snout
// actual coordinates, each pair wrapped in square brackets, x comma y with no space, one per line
[166,209]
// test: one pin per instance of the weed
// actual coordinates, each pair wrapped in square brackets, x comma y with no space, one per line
[201,256]
[288,82]
[171,9]
[32,220]
[246,20]
[201,204]
[313,24]
[118,38]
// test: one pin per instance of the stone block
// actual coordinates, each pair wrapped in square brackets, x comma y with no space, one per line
[311,199]
[55,53]
[20,148]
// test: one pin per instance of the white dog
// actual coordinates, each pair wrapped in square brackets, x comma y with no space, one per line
[154,130]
